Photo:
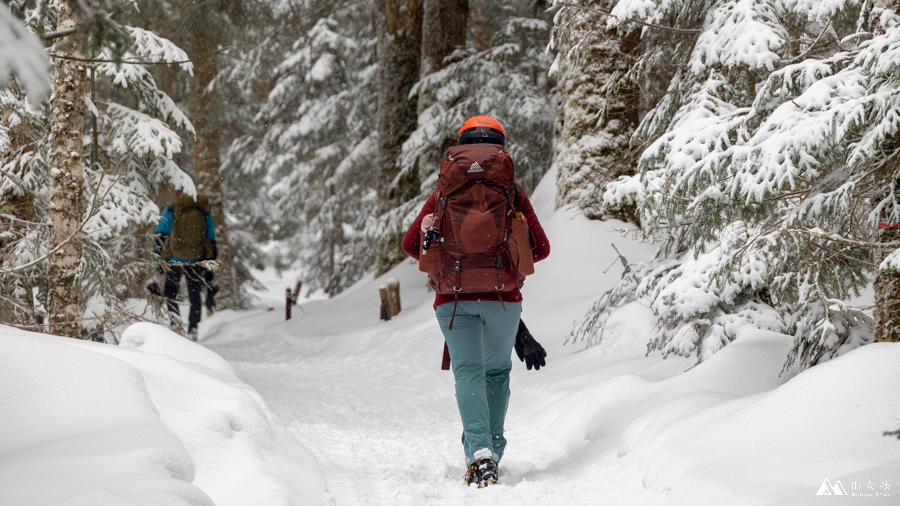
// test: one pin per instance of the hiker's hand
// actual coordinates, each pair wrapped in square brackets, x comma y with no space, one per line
[528,350]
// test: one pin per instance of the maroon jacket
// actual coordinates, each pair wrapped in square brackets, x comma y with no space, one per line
[540,250]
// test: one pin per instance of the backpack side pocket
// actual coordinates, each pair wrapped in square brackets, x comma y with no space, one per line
[520,246]
[430,258]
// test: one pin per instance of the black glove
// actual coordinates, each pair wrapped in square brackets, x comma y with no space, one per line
[528,350]
[430,235]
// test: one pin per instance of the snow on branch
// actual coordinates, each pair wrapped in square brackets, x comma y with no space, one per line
[152,47]
[22,54]
[138,133]
[139,82]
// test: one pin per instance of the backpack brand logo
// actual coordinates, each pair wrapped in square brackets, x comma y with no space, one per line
[475,168]
[828,489]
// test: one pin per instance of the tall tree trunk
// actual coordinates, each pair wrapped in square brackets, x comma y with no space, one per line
[485,22]
[444,30]
[444,26]
[399,29]
[204,105]
[399,46]
[887,282]
[67,109]
[598,111]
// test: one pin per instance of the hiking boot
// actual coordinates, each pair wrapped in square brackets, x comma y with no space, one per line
[487,469]
[482,473]
[175,326]
[192,335]
[210,310]
[472,475]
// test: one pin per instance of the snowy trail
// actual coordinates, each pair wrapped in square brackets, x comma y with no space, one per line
[603,425]
[382,421]
[368,398]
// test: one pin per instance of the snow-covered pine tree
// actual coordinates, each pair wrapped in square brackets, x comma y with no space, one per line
[244,82]
[598,106]
[207,109]
[507,80]
[314,144]
[128,151]
[22,138]
[316,137]
[763,182]
[887,281]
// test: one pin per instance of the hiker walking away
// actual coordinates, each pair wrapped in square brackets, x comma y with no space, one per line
[477,237]
[186,237]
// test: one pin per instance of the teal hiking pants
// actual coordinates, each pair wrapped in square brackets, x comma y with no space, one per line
[480,346]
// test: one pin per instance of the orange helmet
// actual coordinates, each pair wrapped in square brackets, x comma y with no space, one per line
[481,129]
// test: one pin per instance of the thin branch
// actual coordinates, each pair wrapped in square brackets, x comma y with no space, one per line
[94,209]
[19,220]
[58,34]
[632,20]
[813,46]
[844,240]
[131,62]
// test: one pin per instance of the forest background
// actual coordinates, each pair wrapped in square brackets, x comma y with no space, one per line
[755,142]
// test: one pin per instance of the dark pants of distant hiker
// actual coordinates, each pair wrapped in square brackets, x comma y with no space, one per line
[480,346]
[195,277]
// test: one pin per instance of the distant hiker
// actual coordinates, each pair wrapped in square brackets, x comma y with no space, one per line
[477,237]
[186,237]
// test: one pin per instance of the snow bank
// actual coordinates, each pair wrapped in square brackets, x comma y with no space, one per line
[156,420]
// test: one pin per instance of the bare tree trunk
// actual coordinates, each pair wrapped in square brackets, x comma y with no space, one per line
[485,22]
[67,109]
[887,282]
[399,48]
[444,30]
[399,29]
[598,112]
[204,105]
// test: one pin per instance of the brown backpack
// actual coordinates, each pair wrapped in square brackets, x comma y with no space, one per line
[486,243]
[189,240]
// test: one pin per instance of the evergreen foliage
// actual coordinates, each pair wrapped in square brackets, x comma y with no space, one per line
[313,144]
[768,173]
[135,131]
[314,141]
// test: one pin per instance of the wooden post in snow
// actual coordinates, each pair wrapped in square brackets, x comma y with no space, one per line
[385,304]
[288,302]
[393,289]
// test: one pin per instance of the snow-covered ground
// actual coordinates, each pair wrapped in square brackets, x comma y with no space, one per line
[338,407]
